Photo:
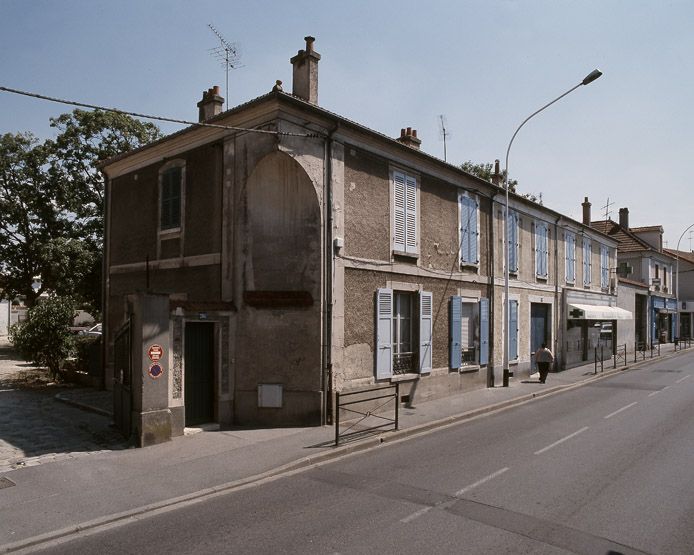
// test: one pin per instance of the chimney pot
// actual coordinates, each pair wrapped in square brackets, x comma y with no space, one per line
[211,104]
[305,74]
[408,136]
[624,218]
[586,211]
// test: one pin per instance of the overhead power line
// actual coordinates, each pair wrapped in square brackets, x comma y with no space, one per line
[158,118]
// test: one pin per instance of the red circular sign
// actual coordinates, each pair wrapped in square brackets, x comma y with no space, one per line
[155,352]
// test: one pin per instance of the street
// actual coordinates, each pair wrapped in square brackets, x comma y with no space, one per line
[604,468]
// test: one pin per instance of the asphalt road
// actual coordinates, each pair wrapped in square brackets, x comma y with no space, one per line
[606,468]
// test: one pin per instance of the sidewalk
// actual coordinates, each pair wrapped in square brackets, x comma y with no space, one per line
[57,499]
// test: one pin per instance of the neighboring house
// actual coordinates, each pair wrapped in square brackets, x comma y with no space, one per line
[684,289]
[642,259]
[257,267]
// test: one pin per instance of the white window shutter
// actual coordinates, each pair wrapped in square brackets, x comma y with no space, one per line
[512,238]
[473,206]
[411,243]
[399,217]
[425,331]
[384,333]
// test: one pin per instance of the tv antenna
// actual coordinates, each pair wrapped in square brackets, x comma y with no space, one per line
[228,54]
[607,208]
[444,133]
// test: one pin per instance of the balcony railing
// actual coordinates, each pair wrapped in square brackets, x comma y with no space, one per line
[469,356]
[404,363]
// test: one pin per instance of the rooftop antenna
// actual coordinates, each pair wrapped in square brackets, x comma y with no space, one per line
[607,208]
[228,54]
[444,134]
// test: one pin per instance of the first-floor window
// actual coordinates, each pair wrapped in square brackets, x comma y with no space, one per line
[403,332]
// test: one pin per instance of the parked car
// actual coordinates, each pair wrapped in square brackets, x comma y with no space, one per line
[95,330]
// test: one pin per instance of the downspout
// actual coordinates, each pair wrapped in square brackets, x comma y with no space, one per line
[105,278]
[558,309]
[492,293]
[327,373]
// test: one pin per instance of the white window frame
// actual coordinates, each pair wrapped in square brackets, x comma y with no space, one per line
[587,262]
[172,231]
[604,267]
[541,250]
[405,213]
[513,219]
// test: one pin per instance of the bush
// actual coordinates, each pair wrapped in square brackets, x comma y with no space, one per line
[44,338]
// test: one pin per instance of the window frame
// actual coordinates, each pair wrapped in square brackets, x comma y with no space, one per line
[541,250]
[174,230]
[466,200]
[587,262]
[604,267]
[513,225]
[570,257]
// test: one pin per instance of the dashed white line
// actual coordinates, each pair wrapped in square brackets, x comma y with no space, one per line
[620,410]
[562,440]
[654,393]
[682,379]
[419,513]
[480,482]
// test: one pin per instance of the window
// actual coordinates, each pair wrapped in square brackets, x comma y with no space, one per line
[512,238]
[405,217]
[403,332]
[604,267]
[171,181]
[469,332]
[469,229]
[541,249]
[570,256]
[587,263]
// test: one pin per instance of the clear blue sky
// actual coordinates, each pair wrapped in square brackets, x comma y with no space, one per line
[484,64]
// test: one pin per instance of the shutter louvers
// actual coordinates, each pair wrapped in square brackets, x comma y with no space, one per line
[384,333]
[410,214]
[399,209]
[425,331]
[513,330]
[455,353]
[484,331]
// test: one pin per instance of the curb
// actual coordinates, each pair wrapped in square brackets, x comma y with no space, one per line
[84,406]
[303,463]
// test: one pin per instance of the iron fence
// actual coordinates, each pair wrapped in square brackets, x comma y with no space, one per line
[683,343]
[368,411]
[620,355]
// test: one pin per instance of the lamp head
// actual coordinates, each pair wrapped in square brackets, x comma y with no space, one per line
[592,76]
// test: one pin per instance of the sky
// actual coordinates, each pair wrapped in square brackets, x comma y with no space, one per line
[484,65]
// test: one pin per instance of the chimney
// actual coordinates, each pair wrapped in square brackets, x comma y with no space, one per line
[305,78]
[210,105]
[586,211]
[624,218]
[409,137]
[496,178]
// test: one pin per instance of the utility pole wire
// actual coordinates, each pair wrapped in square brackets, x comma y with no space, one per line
[158,118]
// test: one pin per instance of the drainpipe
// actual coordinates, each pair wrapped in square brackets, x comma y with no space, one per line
[492,292]
[558,309]
[327,373]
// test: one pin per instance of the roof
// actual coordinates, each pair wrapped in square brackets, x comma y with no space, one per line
[682,255]
[633,282]
[627,241]
[647,228]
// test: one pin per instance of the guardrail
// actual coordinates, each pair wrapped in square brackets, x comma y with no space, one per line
[371,411]
[683,343]
[620,355]
[600,360]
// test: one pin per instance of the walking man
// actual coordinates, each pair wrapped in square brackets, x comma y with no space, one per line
[543,358]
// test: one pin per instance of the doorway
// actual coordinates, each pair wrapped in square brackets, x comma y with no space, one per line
[199,373]
[539,329]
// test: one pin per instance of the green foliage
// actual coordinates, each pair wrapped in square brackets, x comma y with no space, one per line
[45,338]
[52,202]
[84,345]
[486,172]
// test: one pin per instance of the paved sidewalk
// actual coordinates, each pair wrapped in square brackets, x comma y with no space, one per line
[54,500]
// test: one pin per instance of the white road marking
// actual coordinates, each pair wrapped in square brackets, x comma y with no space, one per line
[419,513]
[562,440]
[480,482]
[654,393]
[620,410]
[682,379]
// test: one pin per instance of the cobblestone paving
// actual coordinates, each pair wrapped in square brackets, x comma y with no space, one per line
[35,428]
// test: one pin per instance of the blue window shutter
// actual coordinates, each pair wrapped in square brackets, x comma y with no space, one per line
[541,249]
[512,241]
[464,229]
[425,331]
[411,242]
[399,216]
[474,258]
[484,331]
[454,332]
[384,333]
[570,257]
[513,330]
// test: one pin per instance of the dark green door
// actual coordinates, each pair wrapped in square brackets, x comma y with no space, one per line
[199,372]
[539,319]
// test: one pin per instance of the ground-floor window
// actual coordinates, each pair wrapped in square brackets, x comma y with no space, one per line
[469,332]
[403,332]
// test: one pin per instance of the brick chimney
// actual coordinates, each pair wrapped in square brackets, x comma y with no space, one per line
[586,211]
[624,218]
[409,137]
[210,105]
[305,77]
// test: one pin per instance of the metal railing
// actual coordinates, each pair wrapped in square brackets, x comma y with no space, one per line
[620,355]
[599,360]
[469,356]
[369,418]
[403,363]
[683,343]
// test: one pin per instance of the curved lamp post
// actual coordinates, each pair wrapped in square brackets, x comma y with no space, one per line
[592,76]
[677,283]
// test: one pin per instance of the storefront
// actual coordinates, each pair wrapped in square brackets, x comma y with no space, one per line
[663,312]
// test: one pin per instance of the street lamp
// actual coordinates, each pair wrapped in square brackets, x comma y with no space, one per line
[592,76]
[677,283]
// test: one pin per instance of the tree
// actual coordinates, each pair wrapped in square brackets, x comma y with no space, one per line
[486,172]
[44,337]
[52,202]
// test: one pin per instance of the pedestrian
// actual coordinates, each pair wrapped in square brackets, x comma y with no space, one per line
[543,358]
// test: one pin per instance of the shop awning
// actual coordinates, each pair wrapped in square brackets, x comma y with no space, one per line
[596,312]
